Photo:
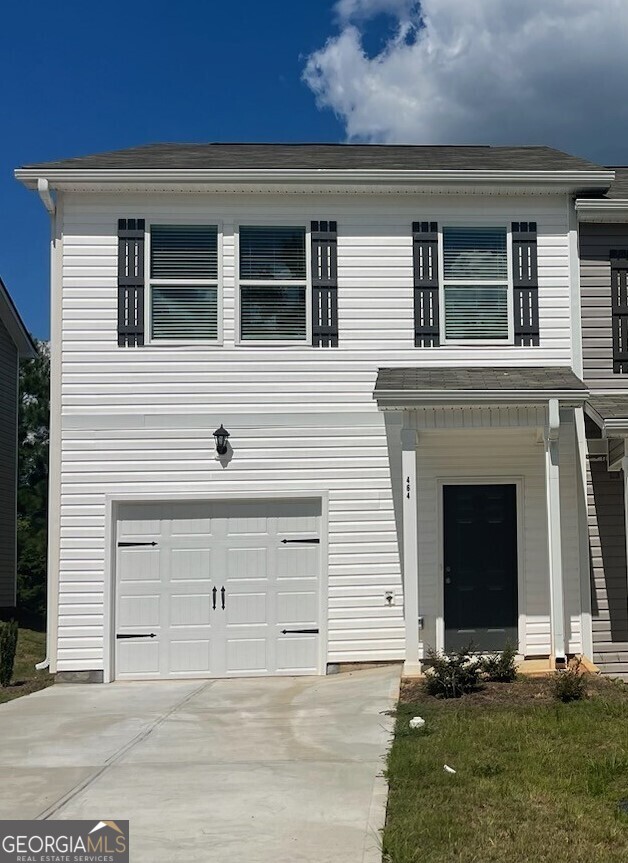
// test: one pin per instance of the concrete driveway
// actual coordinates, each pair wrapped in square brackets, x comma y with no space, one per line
[252,770]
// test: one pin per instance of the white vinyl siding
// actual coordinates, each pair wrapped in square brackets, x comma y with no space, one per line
[475,280]
[138,421]
[273,283]
[184,283]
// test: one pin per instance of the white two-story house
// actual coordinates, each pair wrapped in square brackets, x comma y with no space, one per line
[391,337]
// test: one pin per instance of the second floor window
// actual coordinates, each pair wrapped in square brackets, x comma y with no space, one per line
[184,283]
[273,284]
[475,284]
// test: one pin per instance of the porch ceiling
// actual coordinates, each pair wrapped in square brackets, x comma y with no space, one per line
[408,387]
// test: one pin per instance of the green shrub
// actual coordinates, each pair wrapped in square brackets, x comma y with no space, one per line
[500,667]
[453,675]
[8,648]
[570,684]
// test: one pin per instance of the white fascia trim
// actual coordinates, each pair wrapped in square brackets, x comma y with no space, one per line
[397,399]
[573,180]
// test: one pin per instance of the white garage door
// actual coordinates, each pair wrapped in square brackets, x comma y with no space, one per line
[218,589]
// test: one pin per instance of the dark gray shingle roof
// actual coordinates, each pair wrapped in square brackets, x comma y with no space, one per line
[486,379]
[619,186]
[610,407]
[331,156]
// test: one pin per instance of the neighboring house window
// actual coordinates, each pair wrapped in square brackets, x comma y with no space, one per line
[184,283]
[475,284]
[273,284]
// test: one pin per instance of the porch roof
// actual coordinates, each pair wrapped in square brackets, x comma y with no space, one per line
[609,411]
[400,387]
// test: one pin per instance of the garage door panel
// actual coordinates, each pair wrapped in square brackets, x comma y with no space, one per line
[190,564]
[246,655]
[138,515]
[296,607]
[247,562]
[297,653]
[190,609]
[303,560]
[192,520]
[138,564]
[247,525]
[139,611]
[190,656]
[138,658]
[246,608]
[288,525]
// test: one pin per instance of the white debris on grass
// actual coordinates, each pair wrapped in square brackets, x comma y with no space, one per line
[448,769]
[417,722]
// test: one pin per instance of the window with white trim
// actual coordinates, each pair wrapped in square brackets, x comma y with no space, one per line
[184,283]
[475,284]
[273,283]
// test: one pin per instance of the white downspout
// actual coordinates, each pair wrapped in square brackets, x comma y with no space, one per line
[43,189]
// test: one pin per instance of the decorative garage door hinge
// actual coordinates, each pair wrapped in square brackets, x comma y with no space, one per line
[315,540]
[128,544]
[299,631]
[136,635]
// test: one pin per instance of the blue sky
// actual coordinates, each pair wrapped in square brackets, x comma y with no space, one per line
[80,77]
[77,81]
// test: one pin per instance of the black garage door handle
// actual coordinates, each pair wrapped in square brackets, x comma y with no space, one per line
[136,635]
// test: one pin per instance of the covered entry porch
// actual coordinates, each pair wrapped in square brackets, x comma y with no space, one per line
[490,504]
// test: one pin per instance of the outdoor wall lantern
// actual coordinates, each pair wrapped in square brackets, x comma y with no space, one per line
[221,436]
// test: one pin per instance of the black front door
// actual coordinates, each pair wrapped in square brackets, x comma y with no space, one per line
[480,534]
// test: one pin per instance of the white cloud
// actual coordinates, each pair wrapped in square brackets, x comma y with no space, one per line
[481,71]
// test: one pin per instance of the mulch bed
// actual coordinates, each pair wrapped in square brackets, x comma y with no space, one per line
[523,692]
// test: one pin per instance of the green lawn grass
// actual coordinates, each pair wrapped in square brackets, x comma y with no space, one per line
[536,780]
[31,648]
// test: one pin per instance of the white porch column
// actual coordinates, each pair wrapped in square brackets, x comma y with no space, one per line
[412,666]
[554,534]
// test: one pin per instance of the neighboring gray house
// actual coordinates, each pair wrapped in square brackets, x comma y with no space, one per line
[604,296]
[15,345]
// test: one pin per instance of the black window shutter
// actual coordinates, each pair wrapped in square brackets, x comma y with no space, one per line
[619,301]
[425,262]
[324,284]
[525,284]
[130,282]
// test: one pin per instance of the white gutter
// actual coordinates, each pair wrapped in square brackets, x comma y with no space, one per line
[584,205]
[72,176]
[602,210]
[432,398]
